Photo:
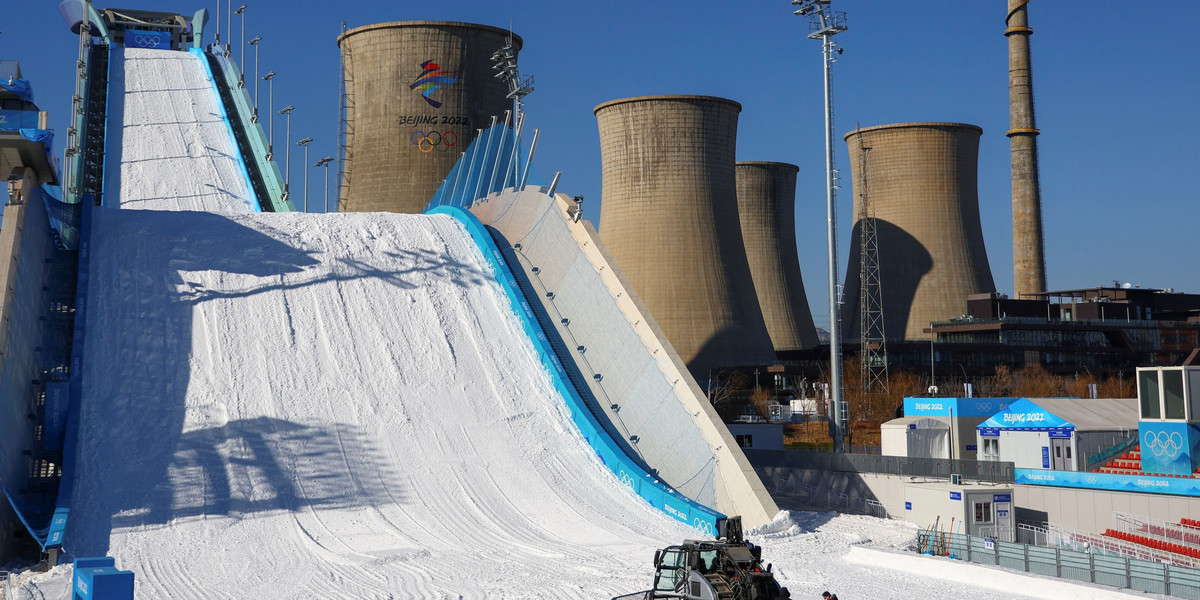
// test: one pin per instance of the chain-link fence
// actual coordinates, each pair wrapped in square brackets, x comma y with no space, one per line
[1079,565]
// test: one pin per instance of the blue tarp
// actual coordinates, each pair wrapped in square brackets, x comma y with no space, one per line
[44,136]
[1024,415]
[36,518]
[20,87]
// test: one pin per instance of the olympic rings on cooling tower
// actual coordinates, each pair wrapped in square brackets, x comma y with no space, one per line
[1161,442]
[426,142]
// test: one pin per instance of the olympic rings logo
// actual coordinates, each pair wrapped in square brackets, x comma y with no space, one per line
[626,480]
[1161,442]
[705,527]
[147,41]
[1090,479]
[428,142]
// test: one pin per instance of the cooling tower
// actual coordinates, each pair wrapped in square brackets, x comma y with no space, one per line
[669,218]
[922,182]
[766,193]
[416,92]
[1029,261]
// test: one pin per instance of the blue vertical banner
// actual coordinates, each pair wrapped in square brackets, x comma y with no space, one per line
[58,399]
[1045,457]
[1169,447]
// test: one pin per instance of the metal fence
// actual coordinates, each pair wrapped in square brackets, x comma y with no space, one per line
[1116,571]
[828,498]
[979,470]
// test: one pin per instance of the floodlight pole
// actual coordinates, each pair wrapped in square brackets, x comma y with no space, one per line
[287,161]
[324,162]
[270,79]
[254,42]
[242,59]
[823,25]
[229,28]
[304,142]
[217,37]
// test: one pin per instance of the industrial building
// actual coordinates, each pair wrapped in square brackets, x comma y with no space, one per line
[1103,330]
[922,185]
[670,220]
[416,93]
[766,193]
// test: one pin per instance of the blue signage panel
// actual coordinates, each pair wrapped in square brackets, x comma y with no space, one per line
[1026,416]
[908,506]
[1001,497]
[1045,457]
[972,447]
[57,402]
[140,38]
[960,407]
[955,495]
[12,120]
[1180,486]
[1169,447]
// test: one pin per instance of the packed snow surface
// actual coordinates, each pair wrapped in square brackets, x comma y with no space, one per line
[175,150]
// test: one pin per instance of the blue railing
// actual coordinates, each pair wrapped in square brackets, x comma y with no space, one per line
[490,164]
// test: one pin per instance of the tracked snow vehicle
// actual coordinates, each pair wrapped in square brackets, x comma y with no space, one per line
[728,568]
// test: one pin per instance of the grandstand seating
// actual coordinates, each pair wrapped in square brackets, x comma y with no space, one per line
[1130,463]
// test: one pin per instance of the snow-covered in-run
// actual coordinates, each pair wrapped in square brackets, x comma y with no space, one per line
[173,149]
[301,406]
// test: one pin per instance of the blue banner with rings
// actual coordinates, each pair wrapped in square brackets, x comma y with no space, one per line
[1179,486]
[1169,447]
[140,38]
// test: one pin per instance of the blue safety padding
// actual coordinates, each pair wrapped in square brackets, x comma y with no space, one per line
[254,204]
[100,579]
[1176,486]
[658,494]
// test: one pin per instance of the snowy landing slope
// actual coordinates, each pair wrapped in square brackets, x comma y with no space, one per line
[174,151]
[296,406]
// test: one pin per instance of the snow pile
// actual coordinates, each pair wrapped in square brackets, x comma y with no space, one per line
[175,151]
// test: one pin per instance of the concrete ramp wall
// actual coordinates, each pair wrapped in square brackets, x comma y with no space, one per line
[639,383]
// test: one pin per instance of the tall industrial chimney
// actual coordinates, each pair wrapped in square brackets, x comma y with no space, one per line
[1029,261]
[669,217]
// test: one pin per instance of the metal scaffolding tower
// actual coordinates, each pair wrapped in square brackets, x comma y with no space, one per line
[872,341]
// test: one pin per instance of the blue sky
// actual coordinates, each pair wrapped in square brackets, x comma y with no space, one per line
[1116,86]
